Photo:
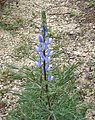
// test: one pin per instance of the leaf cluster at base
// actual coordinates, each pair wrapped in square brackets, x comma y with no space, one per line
[64,98]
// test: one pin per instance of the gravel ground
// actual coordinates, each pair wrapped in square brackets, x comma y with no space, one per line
[71,22]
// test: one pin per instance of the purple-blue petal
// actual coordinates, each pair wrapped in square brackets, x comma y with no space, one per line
[50,78]
[44,46]
[39,63]
[38,48]
[42,71]
[48,41]
[47,67]
[40,37]
[47,59]
[49,52]
[42,56]
[44,30]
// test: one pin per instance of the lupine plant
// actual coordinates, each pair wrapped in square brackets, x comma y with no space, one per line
[49,94]
[44,56]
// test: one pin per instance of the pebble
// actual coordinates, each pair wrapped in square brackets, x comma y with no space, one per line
[1,118]
[93,113]
[77,53]
[71,33]
[94,27]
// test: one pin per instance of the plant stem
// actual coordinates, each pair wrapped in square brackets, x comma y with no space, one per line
[44,63]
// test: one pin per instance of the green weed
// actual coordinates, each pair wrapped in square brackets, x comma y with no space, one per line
[65,100]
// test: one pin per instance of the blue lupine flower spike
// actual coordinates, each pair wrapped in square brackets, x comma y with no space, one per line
[44,51]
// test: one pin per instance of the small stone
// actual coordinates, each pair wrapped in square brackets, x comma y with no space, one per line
[89,76]
[1,86]
[93,113]
[77,53]
[0,118]
[94,27]
[71,32]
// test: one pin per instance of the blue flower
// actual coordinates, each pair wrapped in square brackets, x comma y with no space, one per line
[44,30]
[40,37]
[50,78]
[42,56]
[39,63]
[49,52]
[45,46]
[44,52]
[38,48]
[48,41]
[47,67]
